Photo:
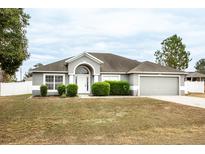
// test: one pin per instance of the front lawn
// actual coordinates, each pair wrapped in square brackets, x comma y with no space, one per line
[98,121]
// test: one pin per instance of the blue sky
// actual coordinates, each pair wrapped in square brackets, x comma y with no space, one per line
[55,34]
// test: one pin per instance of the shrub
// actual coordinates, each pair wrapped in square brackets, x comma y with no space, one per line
[44,90]
[101,89]
[119,87]
[61,89]
[72,90]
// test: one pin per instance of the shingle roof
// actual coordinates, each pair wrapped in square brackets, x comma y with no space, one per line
[152,67]
[111,63]
[195,74]
[57,66]
[115,63]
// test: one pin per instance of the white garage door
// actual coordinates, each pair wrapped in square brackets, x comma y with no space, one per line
[154,85]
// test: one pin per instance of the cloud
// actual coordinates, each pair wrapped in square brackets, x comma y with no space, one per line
[135,33]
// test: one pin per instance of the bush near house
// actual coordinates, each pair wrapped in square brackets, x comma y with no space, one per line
[44,90]
[119,87]
[72,90]
[61,89]
[101,89]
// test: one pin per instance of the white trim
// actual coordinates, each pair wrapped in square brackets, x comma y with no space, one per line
[44,80]
[84,62]
[85,68]
[159,75]
[86,75]
[102,76]
[96,78]
[174,73]
[84,54]
[71,78]
[134,87]
[113,72]
[49,71]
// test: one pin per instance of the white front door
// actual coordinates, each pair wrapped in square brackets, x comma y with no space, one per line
[83,83]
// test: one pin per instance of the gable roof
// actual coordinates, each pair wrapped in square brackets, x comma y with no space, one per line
[195,75]
[115,63]
[110,63]
[147,67]
[58,66]
[84,54]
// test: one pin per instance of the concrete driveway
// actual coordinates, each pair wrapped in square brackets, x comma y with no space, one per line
[185,100]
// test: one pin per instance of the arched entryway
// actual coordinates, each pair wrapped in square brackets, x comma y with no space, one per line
[83,78]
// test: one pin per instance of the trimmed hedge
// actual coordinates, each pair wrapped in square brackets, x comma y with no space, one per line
[101,89]
[44,90]
[119,87]
[61,89]
[72,90]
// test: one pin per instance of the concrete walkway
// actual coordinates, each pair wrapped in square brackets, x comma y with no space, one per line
[185,100]
[88,96]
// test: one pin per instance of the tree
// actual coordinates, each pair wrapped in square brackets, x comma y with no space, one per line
[37,65]
[13,41]
[29,73]
[173,53]
[200,66]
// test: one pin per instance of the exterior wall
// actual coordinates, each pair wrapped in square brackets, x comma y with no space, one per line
[182,85]
[84,60]
[133,80]
[37,81]
[124,77]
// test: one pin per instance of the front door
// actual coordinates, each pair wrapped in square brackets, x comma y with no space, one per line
[83,83]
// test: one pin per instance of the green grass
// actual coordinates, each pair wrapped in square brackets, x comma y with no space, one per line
[54,120]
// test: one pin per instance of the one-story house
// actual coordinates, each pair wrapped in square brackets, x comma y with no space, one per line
[145,78]
[195,76]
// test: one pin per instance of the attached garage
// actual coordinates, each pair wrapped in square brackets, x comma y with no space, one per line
[158,85]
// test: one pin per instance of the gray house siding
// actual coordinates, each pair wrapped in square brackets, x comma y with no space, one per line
[124,77]
[84,60]
[182,84]
[133,80]
[37,81]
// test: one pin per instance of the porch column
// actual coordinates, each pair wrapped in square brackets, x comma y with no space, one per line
[71,78]
[96,78]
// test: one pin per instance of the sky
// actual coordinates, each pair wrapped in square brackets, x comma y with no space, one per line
[55,34]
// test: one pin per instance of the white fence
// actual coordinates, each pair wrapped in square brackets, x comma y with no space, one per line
[194,86]
[15,88]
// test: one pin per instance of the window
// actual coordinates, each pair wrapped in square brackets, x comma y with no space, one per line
[81,70]
[52,81]
[58,80]
[111,77]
